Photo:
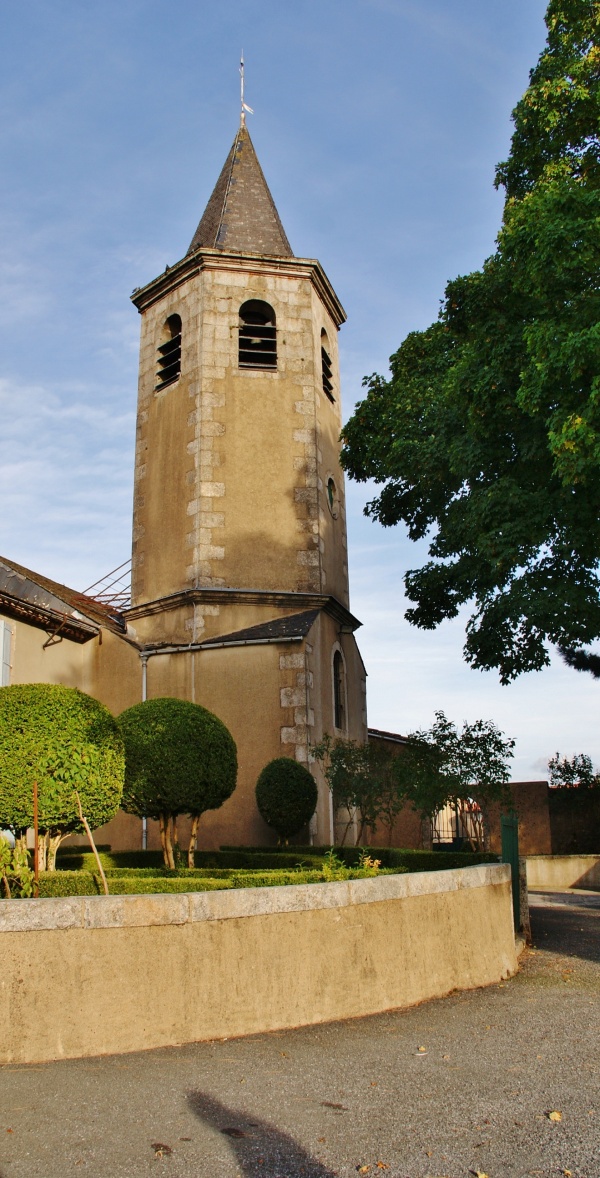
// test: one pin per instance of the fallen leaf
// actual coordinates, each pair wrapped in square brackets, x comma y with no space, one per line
[373,1083]
[421,1050]
[331,1104]
[10,1130]
[160,1150]
[568,1173]
[185,1139]
[428,1152]
[478,1173]
[554,1115]
[445,1057]
[382,1166]
[232,1132]
[321,1139]
[363,1169]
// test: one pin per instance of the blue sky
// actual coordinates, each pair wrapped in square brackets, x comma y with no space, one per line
[378,124]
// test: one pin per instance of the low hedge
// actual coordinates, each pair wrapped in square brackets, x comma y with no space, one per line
[135,885]
[389,856]
[81,848]
[67,883]
[134,860]
[87,883]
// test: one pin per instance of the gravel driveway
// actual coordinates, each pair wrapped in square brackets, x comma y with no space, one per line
[455,1087]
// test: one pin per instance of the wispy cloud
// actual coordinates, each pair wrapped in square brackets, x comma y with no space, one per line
[65,480]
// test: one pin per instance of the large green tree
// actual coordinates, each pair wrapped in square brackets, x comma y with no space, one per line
[67,742]
[486,438]
[179,759]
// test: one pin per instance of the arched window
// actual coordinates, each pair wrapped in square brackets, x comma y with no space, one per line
[326,370]
[258,335]
[332,497]
[169,352]
[339,692]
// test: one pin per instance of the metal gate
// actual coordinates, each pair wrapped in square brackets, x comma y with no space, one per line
[510,854]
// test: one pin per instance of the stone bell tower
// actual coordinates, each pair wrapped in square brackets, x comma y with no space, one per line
[239,514]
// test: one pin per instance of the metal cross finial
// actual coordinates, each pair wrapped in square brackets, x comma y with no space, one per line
[244,107]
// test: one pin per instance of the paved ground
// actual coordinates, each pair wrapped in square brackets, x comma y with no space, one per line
[347,1098]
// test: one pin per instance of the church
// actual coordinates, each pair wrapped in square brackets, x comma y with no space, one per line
[239,591]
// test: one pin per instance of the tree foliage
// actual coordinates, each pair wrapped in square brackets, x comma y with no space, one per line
[66,741]
[487,436]
[179,759]
[436,766]
[286,796]
[16,876]
[345,765]
[452,765]
[577,771]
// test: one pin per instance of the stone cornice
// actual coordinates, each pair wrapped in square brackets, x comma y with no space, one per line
[294,602]
[207,259]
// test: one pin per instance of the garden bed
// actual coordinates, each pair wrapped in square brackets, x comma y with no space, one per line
[142,872]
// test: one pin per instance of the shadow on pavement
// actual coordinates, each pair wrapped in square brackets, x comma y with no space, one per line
[262,1151]
[566,924]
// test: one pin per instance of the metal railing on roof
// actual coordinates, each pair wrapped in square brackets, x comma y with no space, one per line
[114,588]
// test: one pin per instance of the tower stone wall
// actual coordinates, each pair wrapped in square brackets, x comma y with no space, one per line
[233,464]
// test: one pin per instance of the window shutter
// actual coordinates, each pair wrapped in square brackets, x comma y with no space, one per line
[5,637]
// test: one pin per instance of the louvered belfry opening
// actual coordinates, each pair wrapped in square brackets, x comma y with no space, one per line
[326,370]
[258,335]
[169,353]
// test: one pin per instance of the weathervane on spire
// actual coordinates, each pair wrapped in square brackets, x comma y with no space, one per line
[244,106]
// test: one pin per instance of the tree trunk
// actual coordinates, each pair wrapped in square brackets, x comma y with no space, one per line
[43,840]
[193,841]
[166,825]
[346,829]
[21,842]
[361,831]
[52,846]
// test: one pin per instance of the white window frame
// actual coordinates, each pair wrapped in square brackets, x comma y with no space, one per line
[5,653]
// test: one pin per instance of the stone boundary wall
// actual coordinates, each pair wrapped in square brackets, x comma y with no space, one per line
[563,871]
[93,975]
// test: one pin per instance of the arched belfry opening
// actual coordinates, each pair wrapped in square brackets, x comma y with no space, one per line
[169,352]
[258,335]
[326,368]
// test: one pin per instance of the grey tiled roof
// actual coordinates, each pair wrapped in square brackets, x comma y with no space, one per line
[292,626]
[241,214]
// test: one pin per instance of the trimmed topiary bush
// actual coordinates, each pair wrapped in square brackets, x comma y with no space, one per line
[66,741]
[286,796]
[179,759]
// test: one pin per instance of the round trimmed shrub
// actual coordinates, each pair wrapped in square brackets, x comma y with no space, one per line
[66,741]
[179,759]
[286,796]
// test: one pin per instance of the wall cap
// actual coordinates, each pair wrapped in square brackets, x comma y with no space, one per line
[230,904]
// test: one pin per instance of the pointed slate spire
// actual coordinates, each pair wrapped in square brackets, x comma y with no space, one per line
[241,214]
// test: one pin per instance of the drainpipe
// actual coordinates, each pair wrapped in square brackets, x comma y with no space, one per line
[144,658]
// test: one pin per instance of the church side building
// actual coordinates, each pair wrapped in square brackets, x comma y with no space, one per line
[240,595]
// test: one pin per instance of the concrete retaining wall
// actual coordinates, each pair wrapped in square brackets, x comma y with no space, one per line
[563,871]
[90,975]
